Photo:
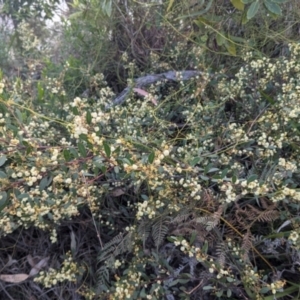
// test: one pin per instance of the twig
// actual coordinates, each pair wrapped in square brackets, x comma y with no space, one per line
[88,196]
[195,288]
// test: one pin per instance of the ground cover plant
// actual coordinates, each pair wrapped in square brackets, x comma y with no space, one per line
[189,189]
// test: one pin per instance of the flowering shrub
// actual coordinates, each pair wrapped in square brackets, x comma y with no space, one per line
[162,198]
[242,157]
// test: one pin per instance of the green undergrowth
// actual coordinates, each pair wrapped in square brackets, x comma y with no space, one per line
[189,192]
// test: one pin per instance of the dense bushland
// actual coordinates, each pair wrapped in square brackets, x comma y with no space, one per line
[188,189]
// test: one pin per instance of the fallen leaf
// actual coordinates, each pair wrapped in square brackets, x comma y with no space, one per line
[10,261]
[14,278]
[30,260]
[36,268]
[144,93]
[73,242]
[117,192]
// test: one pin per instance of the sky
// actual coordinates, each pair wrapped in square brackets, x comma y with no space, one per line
[61,8]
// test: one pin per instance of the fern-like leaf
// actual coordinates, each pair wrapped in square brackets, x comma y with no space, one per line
[268,216]
[211,221]
[181,218]
[159,232]
[102,279]
[220,251]
[144,230]
[247,244]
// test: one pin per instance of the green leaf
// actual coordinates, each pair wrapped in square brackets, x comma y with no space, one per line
[151,157]
[144,197]
[272,7]
[195,161]
[29,148]
[247,1]
[205,178]
[88,117]
[238,4]
[41,92]
[230,46]
[3,159]
[2,175]
[208,287]
[75,111]
[83,137]
[76,15]
[251,178]
[19,115]
[171,2]
[74,152]
[174,282]
[219,293]
[45,183]
[143,293]
[103,169]
[193,237]
[279,1]
[220,39]
[171,238]
[244,18]
[117,151]
[253,9]
[264,290]
[107,149]
[3,197]
[234,179]
[267,97]
[3,200]
[184,281]
[200,12]
[287,292]
[224,172]
[201,21]
[237,39]
[216,177]
[107,7]
[67,154]
[127,161]
[229,293]
[24,195]
[205,247]
[81,149]
[213,170]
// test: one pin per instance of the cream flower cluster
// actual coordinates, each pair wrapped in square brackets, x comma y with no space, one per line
[229,192]
[193,186]
[125,288]
[69,271]
[277,286]
[148,208]
[286,192]
[287,165]
[295,239]
[236,134]
[191,251]
[254,187]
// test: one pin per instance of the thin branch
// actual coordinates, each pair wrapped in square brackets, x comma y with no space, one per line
[152,78]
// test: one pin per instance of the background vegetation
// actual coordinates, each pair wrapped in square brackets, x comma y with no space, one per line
[187,190]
